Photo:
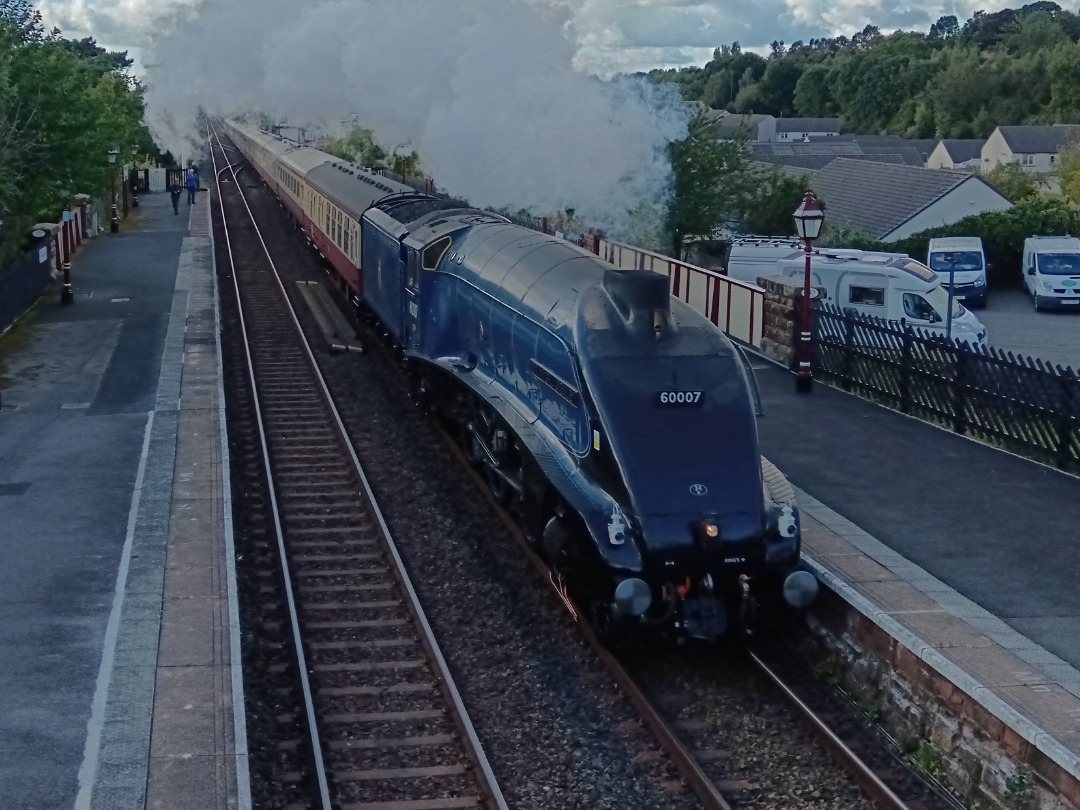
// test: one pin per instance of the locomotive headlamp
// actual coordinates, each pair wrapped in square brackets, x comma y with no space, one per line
[800,589]
[633,597]
[710,529]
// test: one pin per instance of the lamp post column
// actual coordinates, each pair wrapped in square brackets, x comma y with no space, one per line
[67,294]
[804,380]
[809,217]
[114,221]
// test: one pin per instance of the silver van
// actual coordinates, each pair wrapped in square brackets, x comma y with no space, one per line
[960,263]
[1051,266]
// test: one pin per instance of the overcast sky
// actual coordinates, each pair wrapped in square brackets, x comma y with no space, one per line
[611,35]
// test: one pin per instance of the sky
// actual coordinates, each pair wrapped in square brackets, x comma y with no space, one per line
[509,103]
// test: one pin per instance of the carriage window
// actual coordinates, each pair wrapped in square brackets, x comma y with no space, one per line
[868,296]
[434,252]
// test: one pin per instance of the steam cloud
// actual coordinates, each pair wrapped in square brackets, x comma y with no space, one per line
[486,91]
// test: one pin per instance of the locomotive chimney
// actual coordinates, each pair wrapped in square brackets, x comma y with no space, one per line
[641,297]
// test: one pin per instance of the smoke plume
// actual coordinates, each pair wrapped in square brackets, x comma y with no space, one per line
[485,91]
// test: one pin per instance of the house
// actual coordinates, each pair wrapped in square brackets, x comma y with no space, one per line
[800,129]
[963,154]
[758,127]
[1035,147]
[888,201]
[818,153]
[916,151]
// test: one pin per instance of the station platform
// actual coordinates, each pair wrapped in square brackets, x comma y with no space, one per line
[121,682]
[967,555]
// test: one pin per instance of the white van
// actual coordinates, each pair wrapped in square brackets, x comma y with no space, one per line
[961,264]
[889,286]
[1051,267]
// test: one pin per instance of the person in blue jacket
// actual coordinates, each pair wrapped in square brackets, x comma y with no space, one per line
[192,187]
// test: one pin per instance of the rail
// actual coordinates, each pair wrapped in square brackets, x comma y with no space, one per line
[735,307]
[327,541]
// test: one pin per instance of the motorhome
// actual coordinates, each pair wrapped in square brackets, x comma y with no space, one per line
[749,258]
[1051,266]
[889,286]
[961,264]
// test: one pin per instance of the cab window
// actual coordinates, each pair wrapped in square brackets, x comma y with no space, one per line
[917,307]
[434,252]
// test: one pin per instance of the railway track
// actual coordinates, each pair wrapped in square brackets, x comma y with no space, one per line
[379,722]
[703,753]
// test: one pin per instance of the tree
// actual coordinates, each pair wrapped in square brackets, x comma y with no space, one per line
[1067,170]
[63,106]
[1012,181]
[813,92]
[359,147]
[712,180]
[775,197]
[945,28]
[776,90]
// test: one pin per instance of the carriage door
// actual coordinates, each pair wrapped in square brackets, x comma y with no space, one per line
[411,295]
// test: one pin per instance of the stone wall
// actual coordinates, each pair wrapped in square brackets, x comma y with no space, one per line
[783,309]
[981,759]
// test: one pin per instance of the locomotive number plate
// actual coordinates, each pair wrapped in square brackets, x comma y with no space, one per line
[680,398]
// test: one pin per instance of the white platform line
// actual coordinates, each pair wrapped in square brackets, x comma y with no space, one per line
[92,750]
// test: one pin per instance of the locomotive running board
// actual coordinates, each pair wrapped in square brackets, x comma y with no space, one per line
[339,333]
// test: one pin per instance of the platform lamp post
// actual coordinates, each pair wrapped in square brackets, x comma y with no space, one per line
[114,223]
[809,217]
[134,185]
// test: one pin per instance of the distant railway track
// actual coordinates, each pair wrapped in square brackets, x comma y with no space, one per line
[377,720]
[702,751]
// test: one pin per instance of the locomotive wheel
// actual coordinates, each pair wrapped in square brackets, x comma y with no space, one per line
[559,547]
[607,622]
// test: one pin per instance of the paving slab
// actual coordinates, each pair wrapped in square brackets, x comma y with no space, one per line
[104,400]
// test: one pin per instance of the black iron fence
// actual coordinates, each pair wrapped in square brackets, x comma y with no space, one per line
[1013,402]
[22,282]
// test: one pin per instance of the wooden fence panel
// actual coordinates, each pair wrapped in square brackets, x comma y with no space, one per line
[1020,404]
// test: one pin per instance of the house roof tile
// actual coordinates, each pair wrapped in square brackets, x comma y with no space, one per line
[876,198]
[807,124]
[815,162]
[1039,140]
[961,150]
[924,145]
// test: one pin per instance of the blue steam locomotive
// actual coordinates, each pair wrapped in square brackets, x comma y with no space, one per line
[612,420]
